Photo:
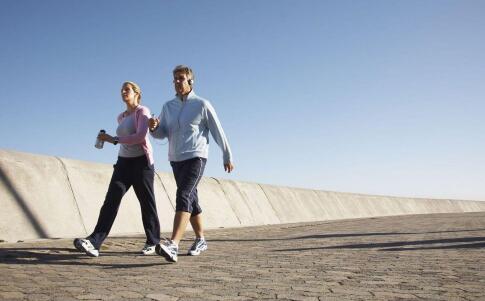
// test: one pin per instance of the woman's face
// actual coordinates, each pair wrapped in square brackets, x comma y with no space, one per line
[128,95]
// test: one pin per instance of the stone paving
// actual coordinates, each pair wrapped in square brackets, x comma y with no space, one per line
[421,257]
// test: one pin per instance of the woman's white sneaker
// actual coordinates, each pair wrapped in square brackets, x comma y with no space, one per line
[148,249]
[84,245]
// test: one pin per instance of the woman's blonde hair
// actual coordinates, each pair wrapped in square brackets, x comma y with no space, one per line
[135,88]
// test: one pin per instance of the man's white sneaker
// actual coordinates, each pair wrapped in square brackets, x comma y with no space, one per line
[84,245]
[148,249]
[168,250]
[197,247]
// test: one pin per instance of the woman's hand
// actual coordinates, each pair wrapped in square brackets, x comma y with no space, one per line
[106,137]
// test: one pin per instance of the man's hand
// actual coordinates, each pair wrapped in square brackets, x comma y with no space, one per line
[228,167]
[153,123]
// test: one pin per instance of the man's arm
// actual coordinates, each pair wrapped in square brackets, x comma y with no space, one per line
[217,133]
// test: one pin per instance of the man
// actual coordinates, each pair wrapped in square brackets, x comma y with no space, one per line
[186,121]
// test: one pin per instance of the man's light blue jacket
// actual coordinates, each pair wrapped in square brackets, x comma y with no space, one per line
[187,124]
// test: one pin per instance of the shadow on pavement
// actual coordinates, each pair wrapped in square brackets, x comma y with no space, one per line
[456,243]
[458,246]
[382,233]
[66,256]
[342,235]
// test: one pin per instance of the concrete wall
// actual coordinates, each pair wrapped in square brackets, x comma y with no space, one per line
[46,197]
[36,198]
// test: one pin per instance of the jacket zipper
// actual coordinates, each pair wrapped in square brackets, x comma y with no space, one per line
[178,121]
[180,113]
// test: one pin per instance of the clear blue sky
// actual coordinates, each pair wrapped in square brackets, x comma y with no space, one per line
[380,97]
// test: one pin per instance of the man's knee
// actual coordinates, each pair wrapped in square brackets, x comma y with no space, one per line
[184,207]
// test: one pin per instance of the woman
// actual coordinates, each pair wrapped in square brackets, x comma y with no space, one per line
[133,168]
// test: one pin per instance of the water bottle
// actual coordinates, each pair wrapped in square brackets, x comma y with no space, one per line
[99,143]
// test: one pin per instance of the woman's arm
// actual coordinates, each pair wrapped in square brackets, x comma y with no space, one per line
[141,128]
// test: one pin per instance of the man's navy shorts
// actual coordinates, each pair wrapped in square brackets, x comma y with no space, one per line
[187,175]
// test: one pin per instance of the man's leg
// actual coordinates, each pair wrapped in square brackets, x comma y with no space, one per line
[180,222]
[196,222]
[199,244]
[196,217]
[187,175]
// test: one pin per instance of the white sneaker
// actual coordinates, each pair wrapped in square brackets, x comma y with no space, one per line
[197,247]
[84,245]
[148,249]
[168,250]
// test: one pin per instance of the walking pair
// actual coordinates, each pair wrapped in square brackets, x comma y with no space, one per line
[186,122]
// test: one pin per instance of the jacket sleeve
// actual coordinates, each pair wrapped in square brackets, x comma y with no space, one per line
[139,136]
[217,133]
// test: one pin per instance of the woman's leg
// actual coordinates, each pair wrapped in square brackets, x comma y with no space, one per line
[119,185]
[143,186]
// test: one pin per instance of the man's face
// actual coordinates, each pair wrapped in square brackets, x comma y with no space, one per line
[181,83]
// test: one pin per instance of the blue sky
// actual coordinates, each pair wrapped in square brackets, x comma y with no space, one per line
[380,97]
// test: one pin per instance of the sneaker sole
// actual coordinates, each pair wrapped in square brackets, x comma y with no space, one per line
[162,252]
[91,254]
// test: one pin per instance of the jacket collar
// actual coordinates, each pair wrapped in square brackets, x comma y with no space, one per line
[189,96]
